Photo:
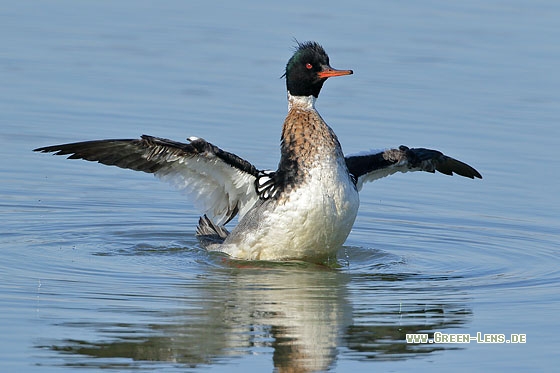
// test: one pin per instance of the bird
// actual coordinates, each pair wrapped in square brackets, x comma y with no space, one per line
[305,209]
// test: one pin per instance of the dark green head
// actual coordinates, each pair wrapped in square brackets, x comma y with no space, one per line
[308,69]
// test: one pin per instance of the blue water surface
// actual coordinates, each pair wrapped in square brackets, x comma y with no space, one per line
[100,266]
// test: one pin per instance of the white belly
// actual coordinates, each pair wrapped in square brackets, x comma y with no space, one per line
[311,223]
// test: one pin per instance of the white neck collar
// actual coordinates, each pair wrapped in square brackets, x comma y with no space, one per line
[302,102]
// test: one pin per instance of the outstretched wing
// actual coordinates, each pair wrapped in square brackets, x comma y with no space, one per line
[220,183]
[375,164]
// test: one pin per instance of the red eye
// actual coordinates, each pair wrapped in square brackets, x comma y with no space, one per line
[308,66]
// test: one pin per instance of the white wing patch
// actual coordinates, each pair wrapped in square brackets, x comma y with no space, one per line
[214,186]
[367,152]
[375,164]
[378,173]
[220,183]
[266,187]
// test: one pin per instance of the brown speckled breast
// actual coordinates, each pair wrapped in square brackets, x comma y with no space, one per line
[307,142]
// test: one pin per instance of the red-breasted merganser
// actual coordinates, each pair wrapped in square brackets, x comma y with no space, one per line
[306,208]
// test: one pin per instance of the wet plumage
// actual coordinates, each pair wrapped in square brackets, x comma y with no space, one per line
[305,209]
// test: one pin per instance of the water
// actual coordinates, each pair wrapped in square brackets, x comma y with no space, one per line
[100,267]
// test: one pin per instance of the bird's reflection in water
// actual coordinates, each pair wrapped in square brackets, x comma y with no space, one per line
[300,312]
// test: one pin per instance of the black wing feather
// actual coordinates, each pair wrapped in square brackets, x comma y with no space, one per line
[378,164]
[145,154]
[222,182]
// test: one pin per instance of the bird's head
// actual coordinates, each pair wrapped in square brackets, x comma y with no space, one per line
[308,69]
